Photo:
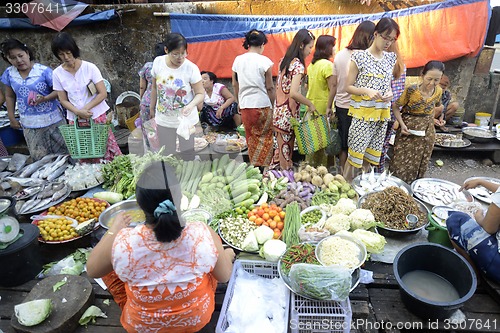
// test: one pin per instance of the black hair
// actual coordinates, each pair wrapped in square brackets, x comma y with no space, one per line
[11,44]
[254,38]
[296,49]
[388,25]
[159,50]
[324,48]
[156,184]
[174,41]
[63,41]
[362,37]
[211,75]
[433,64]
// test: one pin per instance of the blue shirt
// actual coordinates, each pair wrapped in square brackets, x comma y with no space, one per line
[38,80]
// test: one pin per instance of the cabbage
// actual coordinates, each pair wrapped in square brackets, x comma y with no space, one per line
[337,222]
[374,242]
[90,314]
[362,219]
[34,312]
[263,234]
[272,250]
[250,243]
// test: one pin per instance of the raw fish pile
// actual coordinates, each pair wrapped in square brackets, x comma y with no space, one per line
[370,182]
[437,193]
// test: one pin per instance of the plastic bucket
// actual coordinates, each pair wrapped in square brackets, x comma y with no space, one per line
[438,234]
[482,119]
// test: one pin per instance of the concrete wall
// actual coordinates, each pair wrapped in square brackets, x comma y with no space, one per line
[120,47]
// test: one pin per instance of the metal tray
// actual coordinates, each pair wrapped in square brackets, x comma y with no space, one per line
[467,143]
[357,182]
[397,233]
[355,278]
[431,197]
[221,149]
[480,192]
[470,133]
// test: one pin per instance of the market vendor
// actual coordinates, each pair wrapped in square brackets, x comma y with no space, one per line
[29,86]
[219,107]
[477,238]
[163,274]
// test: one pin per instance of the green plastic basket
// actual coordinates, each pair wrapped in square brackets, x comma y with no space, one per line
[85,142]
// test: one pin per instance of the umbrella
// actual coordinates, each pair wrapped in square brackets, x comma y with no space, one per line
[54,14]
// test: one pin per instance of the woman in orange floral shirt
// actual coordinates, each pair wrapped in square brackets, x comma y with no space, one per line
[169,269]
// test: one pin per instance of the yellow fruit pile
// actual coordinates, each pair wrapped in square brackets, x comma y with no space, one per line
[56,229]
[81,209]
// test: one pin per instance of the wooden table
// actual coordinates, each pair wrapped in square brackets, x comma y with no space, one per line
[376,307]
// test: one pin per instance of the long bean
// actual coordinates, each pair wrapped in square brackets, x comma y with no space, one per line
[292,225]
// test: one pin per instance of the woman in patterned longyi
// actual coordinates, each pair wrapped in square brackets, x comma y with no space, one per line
[163,273]
[413,151]
[369,83]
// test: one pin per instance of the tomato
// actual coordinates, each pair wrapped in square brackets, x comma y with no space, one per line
[280,225]
[252,218]
[276,234]
[277,218]
[272,225]
[265,216]
[260,212]
[259,221]
[264,205]
[273,207]
[273,213]
[282,214]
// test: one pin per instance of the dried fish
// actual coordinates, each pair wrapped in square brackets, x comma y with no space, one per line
[17,161]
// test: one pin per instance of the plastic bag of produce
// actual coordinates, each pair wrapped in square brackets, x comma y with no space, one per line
[321,282]
[312,234]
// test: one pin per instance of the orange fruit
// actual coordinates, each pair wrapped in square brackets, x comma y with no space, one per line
[264,205]
[265,216]
[273,213]
[276,234]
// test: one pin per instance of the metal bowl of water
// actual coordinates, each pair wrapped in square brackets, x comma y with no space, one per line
[106,218]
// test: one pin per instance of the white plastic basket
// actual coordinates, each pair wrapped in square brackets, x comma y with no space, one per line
[264,269]
[308,316]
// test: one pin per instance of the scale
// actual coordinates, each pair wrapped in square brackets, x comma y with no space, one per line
[9,226]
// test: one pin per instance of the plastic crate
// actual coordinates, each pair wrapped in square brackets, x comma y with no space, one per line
[308,316]
[86,142]
[261,268]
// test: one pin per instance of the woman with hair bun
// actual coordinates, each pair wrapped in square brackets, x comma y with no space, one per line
[163,273]
[416,134]
[255,93]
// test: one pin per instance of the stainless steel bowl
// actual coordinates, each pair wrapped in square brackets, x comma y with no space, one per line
[478,134]
[395,233]
[107,216]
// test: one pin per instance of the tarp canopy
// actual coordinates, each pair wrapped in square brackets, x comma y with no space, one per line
[25,23]
[441,31]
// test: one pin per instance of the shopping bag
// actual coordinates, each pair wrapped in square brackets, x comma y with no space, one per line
[335,146]
[312,134]
[187,124]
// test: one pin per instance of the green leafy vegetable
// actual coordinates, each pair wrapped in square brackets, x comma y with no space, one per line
[59,284]
[321,282]
[90,314]
[34,312]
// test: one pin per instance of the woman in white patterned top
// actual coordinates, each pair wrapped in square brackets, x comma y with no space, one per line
[369,83]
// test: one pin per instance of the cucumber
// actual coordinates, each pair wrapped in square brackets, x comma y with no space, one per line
[224,160]
[242,197]
[247,182]
[215,163]
[235,191]
[252,173]
[239,169]
[245,203]
[229,168]
[255,197]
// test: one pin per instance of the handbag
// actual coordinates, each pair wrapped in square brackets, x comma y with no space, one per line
[335,146]
[312,134]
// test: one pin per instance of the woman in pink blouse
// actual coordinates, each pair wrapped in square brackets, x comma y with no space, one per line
[80,87]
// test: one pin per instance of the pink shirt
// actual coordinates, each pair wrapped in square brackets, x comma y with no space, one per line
[76,87]
[341,69]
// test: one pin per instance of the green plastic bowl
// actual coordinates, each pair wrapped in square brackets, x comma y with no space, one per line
[241,130]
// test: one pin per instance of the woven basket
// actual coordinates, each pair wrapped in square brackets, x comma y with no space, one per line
[312,134]
[86,142]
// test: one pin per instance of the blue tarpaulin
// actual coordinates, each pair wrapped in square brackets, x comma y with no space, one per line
[25,23]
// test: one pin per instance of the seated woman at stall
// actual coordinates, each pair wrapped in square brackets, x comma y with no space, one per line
[219,108]
[28,85]
[477,238]
[167,268]
[449,107]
